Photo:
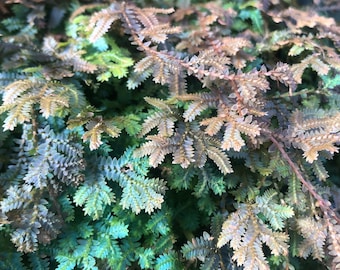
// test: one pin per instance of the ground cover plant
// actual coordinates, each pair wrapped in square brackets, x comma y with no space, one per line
[169,134]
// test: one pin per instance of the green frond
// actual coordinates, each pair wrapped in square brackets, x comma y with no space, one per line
[7,78]
[94,194]
[254,15]
[38,262]
[11,261]
[275,213]
[115,228]
[115,61]
[139,191]
[182,178]
[281,169]
[163,243]
[128,122]
[296,197]
[13,24]
[65,262]
[331,82]
[159,223]
[167,261]
[320,170]
[68,209]
[198,248]
[146,258]
[106,248]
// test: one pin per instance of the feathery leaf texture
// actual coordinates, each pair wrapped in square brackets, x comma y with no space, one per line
[186,143]
[273,212]
[94,194]
[314,131]
[314,234]
[199,247]
[57,160]
[54,99]
[138,191]
[333,241]
[247,234]
[101,21]
[69,57]
[250,84]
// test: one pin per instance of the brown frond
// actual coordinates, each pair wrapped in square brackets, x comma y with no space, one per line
[232,138]
[214,125]
[194,109]
[184,154]
[232,45]
[297,19]
[101,21]
[220,158]
[333,241]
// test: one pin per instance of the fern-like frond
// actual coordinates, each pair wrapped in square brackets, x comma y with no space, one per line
[320,170]
[184,154]
[314,131]
[274,212]
[70,56]
[314,234]
[333,241]
[164,119]
[232,138]
[159,223]
[54,99]
[16,89]
[214,125]
[220,159]
[296,197]
[194,109]
[158,33]
[9,77]
[302,18]
[312,61]
[101,21]
[36,223]
[139,191]
[249,84]
[284,74]
[198,248]
[247,234]
[94,194]
[157,148]
[167,261]
[95,127]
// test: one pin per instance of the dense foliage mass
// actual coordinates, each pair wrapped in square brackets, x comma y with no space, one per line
[169,135]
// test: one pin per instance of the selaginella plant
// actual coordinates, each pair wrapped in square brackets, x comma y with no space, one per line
[169,135]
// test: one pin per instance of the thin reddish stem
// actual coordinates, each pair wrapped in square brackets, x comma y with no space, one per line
[323,204]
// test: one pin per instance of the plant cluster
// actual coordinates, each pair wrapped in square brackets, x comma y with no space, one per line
[169,135]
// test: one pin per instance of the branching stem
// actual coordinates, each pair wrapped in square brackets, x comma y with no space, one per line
[323,204]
